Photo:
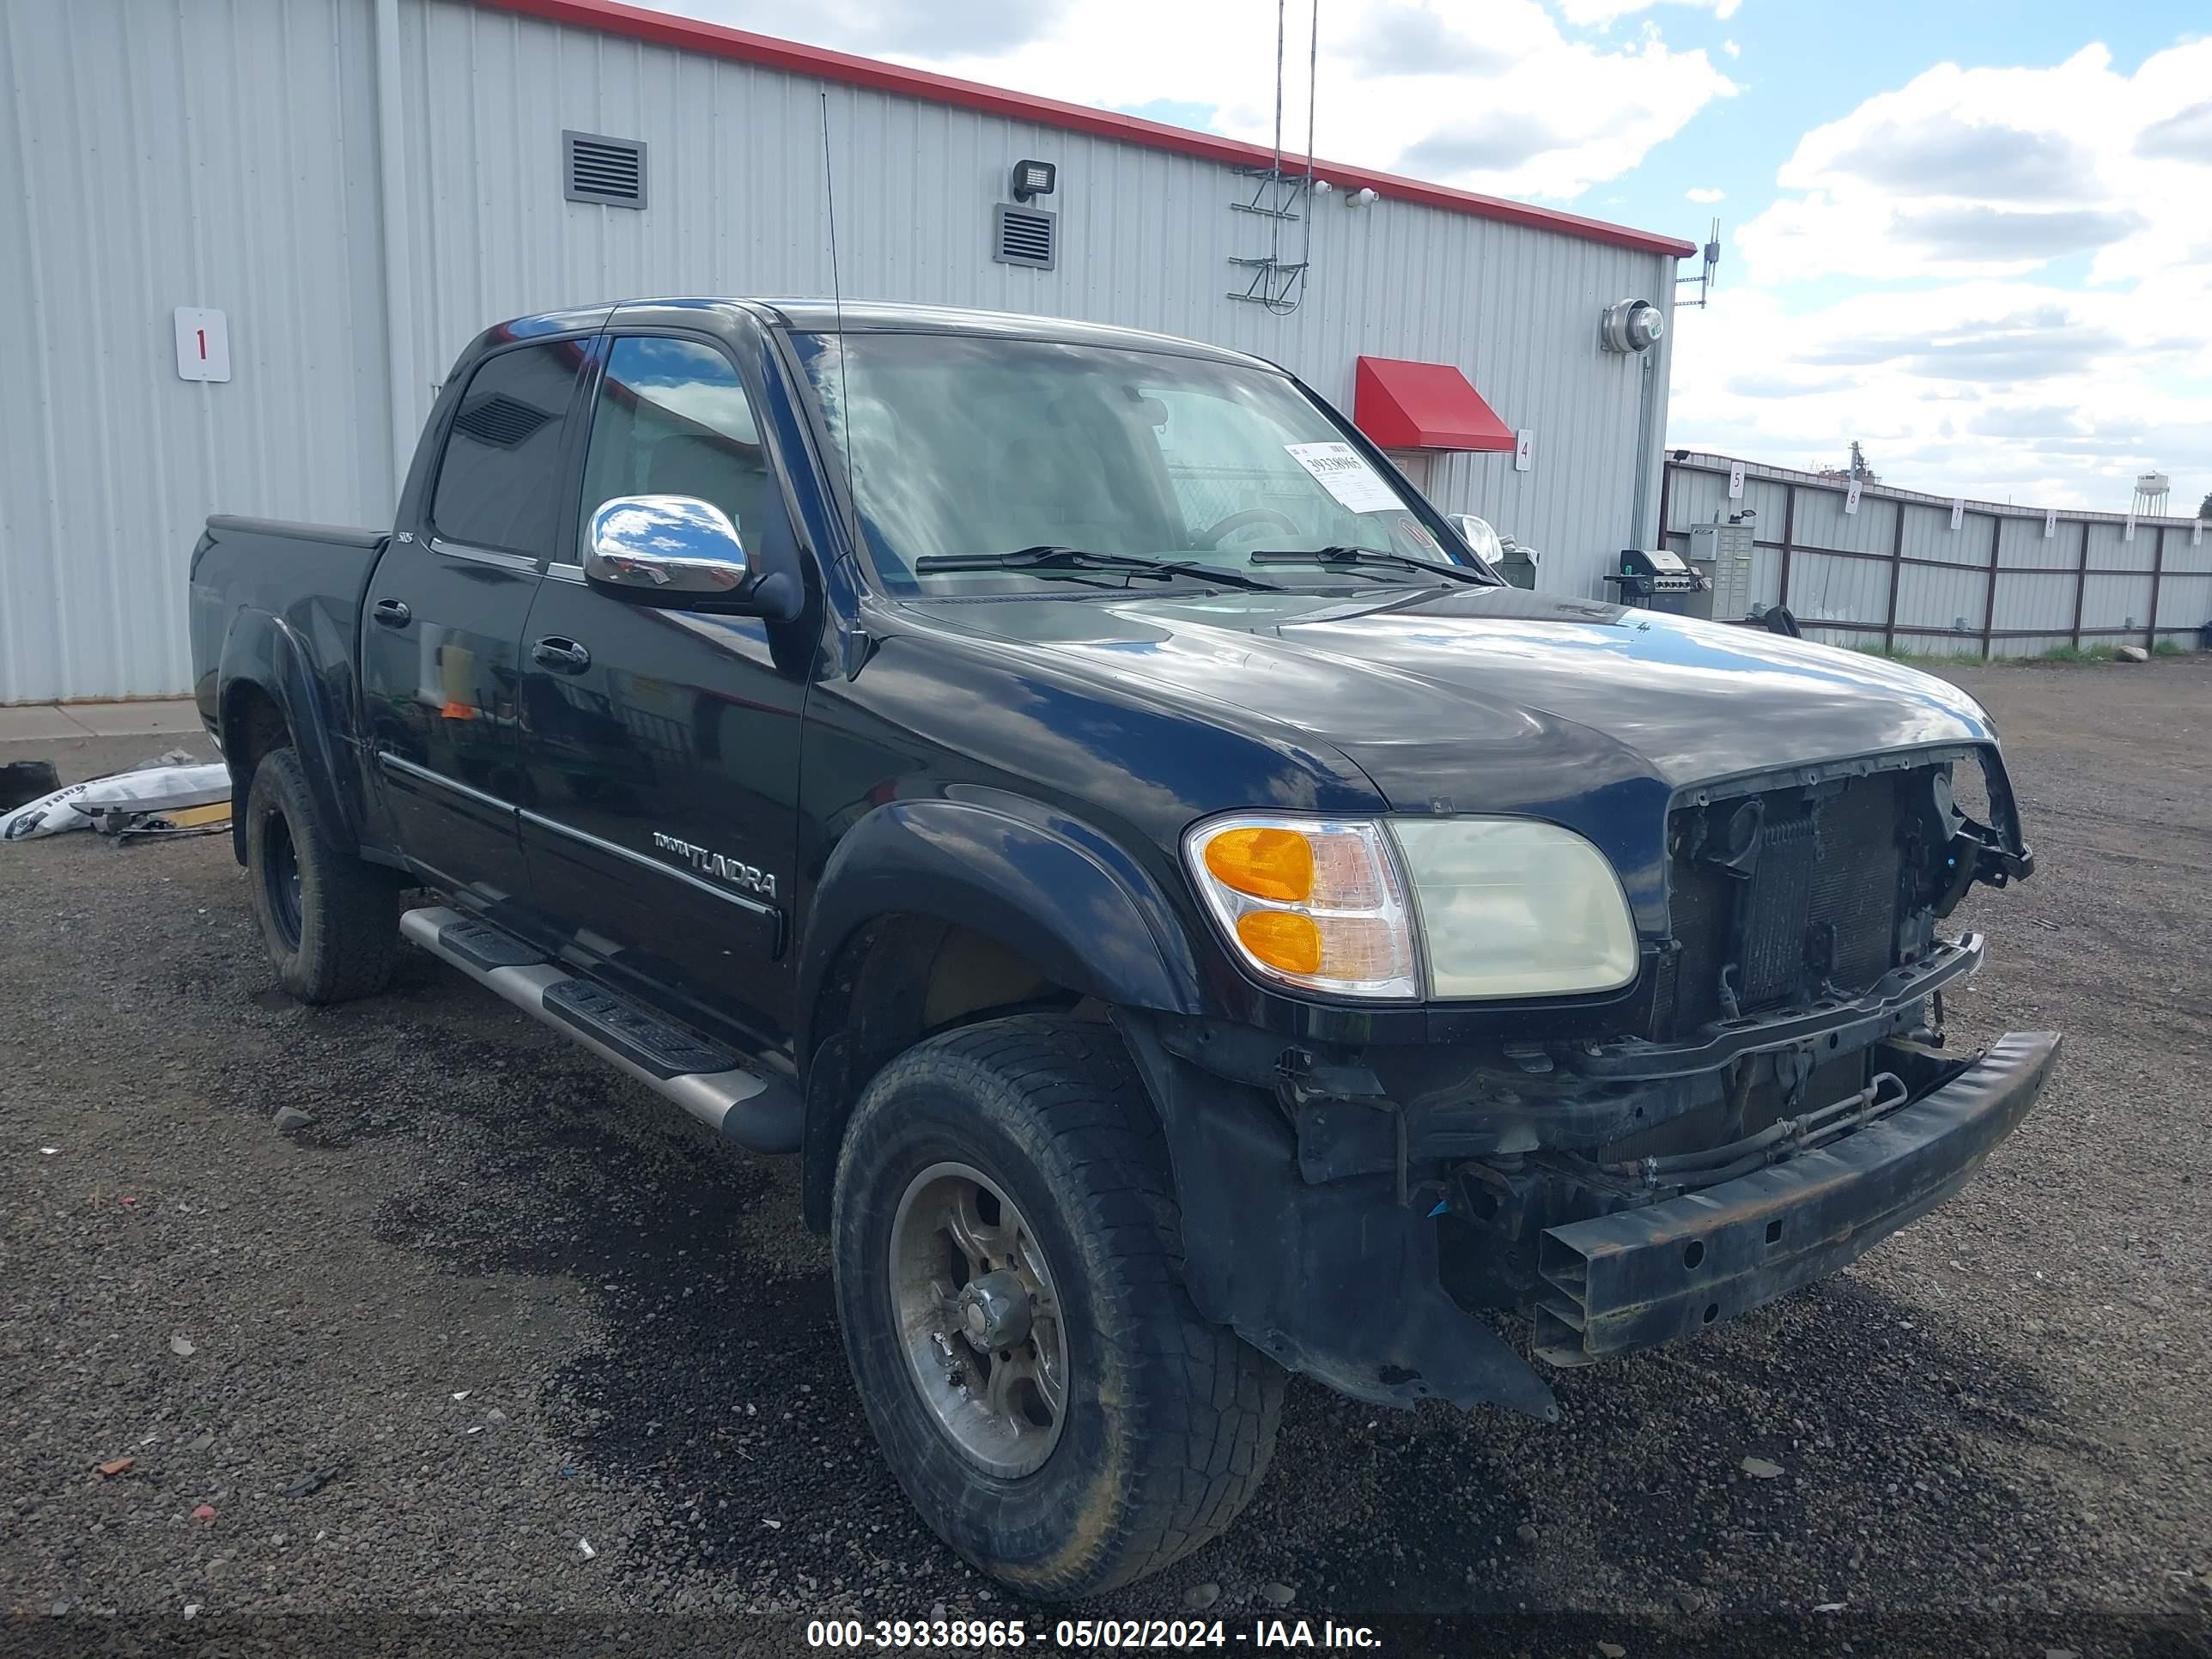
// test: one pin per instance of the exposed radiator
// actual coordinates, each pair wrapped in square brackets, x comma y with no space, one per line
[1820,903]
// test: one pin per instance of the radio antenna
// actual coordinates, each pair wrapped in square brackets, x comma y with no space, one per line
[837,300]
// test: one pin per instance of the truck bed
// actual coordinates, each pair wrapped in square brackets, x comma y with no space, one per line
[227,525]
[306,580]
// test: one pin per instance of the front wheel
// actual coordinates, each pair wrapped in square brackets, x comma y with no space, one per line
[1008,1264]
[330,921]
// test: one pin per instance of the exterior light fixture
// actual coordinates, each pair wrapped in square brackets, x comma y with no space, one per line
[1034,179]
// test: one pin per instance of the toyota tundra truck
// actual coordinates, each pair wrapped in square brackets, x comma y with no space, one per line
[1192,921]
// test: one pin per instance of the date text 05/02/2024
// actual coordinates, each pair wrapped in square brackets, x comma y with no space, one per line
[1100,1635]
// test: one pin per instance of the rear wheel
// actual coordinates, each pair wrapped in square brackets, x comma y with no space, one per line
[1008,1263]
[330,921]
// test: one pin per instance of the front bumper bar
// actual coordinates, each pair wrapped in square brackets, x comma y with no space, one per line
[1638,1278]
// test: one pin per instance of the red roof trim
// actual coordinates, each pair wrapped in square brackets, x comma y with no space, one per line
[1403,405]
[689,35]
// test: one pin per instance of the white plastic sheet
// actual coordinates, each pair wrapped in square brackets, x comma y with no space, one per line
[162,788]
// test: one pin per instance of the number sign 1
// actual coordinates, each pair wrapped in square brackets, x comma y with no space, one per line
[202,344]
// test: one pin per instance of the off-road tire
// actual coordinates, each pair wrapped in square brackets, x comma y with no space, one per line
[1169,1421]
[337,939]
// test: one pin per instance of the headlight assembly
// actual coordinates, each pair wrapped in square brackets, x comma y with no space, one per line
[1511,907]
[1454,908]
[1312,901]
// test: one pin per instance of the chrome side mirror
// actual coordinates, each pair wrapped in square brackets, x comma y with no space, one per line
[1477,535]
[666,548]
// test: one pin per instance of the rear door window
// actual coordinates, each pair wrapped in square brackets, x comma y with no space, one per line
[499,481]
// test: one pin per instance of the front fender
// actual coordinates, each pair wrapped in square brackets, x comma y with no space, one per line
[1041,884]
[263,652]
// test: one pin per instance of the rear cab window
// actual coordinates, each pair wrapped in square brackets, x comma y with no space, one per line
[500,479]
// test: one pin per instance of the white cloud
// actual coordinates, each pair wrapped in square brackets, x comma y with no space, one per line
[1731,49]
[1591,12]
[1962,206]
[1995,172]
[1703,194]
[1500,101]
[1997,390]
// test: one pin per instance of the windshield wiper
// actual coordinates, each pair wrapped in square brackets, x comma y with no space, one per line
[1325,556]
[1048,557]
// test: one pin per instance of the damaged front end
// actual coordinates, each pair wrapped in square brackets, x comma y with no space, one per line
[1774,1099]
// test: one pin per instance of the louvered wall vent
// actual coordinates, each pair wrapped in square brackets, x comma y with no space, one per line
[594,168]
[1024,236]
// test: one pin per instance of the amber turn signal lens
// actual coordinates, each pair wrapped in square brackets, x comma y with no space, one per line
[1282,938]
[1269,864]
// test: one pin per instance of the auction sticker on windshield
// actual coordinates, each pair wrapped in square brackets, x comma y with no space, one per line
[1343,472]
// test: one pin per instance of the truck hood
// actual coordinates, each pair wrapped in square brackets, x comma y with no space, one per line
[1476,694]
[1492,699]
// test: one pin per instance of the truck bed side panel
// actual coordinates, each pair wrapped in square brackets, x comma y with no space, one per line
[278,605]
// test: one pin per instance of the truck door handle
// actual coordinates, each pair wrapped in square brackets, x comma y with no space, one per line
[562,656]
[393,613]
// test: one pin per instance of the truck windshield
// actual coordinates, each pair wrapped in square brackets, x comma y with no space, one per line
[963,446]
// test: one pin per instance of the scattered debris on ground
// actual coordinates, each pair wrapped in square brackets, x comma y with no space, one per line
[171,793]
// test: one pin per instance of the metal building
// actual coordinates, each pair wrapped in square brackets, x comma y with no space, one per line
[246,238]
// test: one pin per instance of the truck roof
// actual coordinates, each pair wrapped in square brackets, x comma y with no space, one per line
[825,316]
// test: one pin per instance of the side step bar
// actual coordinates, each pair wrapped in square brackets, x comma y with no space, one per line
[759,1112]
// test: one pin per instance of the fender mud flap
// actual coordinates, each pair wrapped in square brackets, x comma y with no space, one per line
[1333,1280]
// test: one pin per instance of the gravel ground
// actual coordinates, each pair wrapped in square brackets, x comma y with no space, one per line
[495,1300]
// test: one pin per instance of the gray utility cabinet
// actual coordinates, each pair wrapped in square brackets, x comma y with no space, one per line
[1721,553]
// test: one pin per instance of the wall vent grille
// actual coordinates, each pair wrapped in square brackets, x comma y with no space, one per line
[594,168]
[1024,236]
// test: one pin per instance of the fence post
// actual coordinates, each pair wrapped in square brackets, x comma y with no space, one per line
[1896,570]
[2081,583]
[1989,598]
[2157,575]
[1789,535]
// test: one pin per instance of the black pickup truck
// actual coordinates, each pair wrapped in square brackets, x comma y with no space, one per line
[1191,919]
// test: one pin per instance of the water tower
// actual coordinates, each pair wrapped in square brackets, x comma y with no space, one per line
[2151,491]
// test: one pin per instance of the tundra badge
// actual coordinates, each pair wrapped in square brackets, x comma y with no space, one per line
[747,876]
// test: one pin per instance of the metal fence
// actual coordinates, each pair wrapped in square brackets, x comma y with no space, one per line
[1947,577]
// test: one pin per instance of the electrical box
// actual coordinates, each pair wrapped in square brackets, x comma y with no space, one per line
[1721,553]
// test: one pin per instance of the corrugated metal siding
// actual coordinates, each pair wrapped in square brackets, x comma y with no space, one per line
[1841,564]
[2184,591]
[223,152]
[153,156]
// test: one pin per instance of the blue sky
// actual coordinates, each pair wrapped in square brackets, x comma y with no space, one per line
[1976,237]
[1800,65]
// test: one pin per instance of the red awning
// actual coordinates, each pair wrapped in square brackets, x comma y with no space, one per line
[1408,406]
